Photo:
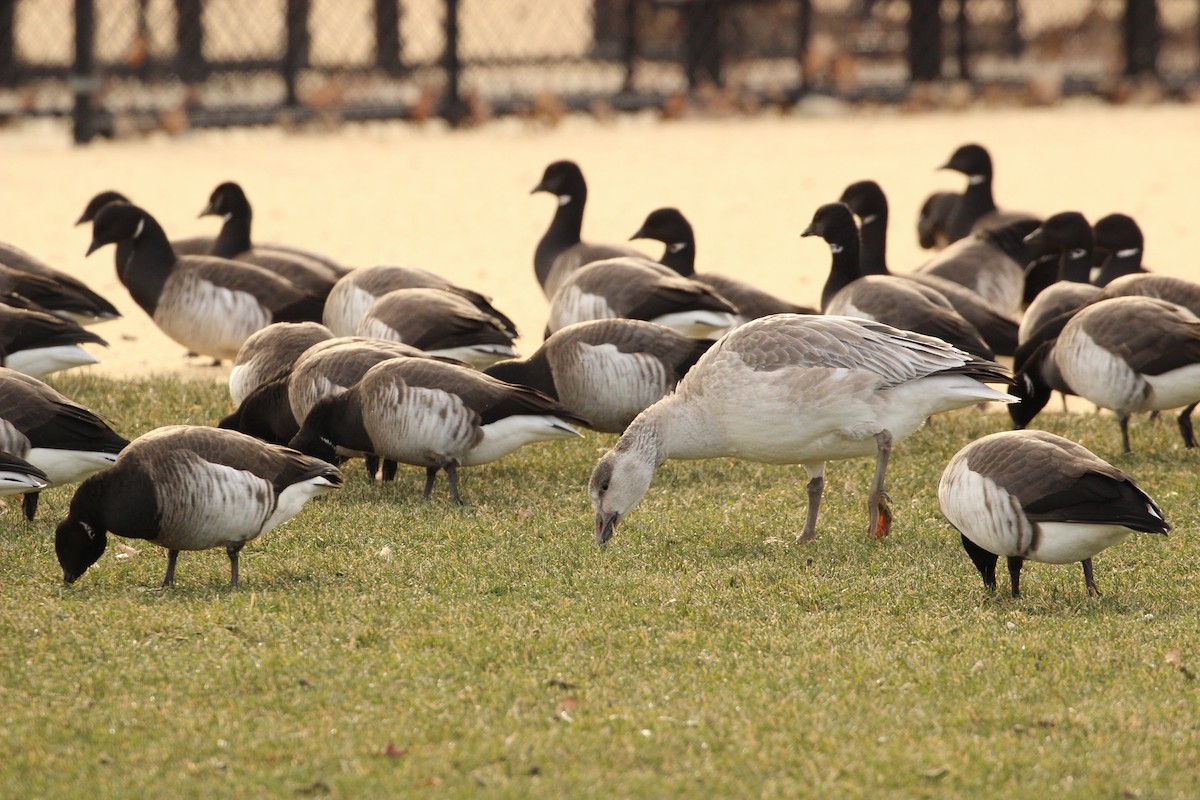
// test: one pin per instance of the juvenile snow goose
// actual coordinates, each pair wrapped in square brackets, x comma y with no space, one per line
[209,305]
[991,263]
[883,298]
[1068,236]
[669,226]
[792,389]
[63,439]
[38,343]
[976,208]
[560,252]
[440,323]
[435,415]
[272,353]
[18,476]
[607,370]
[189,488]
[637,288]
[1034,496]
[59,293]
[1119,248]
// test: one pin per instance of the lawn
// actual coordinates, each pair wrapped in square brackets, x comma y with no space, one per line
[381,647]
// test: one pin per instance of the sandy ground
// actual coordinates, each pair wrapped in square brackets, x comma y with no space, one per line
[458,203]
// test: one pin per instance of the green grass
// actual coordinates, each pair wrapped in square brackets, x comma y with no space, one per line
[382,647]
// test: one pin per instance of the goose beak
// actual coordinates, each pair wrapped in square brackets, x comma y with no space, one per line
[641,234]
[82,219]
[606,526]
[541,187]
[208,210]
[70,577]
[93,247]
[808,231]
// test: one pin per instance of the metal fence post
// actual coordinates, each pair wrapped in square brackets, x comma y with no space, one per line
[387,37]
[295,54]
[803,38]
[962,27]
[83,79]
[453,109]
[8,55]
[1142,37]
[629,44]
[924,40]
[189,41]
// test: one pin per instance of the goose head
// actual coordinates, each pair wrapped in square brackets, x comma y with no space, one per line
[116,222]
[228,198]
[867,200]
[666,225]
[971,160]
[1116,233]
[618,482]
[315,437]
[98,202]
[78,545]
[833,222]
[564,180]
[1032,394]
[934,217]
[1069,234]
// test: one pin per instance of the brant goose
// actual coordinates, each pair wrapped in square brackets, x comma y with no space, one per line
[37,343]
[1068,236]
[440,323]
[57,292]
[976,209]
[272,353]
[1119,248]
[933,220]
[18,476]
[991,263]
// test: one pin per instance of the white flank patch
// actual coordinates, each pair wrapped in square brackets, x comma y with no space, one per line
[1173,389]
[571,304]
[207,318]
[293,498]
[506,435]
[374,328]
[44,360]
[698,324]
[344,308]
[1097,374]
[239,385]
[1066,542]
[983,511]
[68,466]
[18,483]
[479,355]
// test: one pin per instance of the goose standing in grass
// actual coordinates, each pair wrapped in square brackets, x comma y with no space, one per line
[1120,243]
[189,488]
[976,208]
[18,476]
[560,252]
[991,263]
[606,370]
[792,389]
[38,343]
[55,291]
[61,438]
[431,414]
[1034,496]
[1068,236]
[669,226]
[440,323]
[272,353]
[209,305]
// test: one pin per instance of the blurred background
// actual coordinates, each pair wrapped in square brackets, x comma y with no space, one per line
[122,67]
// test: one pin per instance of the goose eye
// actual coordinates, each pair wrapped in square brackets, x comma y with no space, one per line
[604,486]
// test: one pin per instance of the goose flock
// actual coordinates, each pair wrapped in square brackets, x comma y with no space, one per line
[399,366]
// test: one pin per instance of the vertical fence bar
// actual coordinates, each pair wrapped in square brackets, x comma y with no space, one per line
[1016,43]
[804,15]
[1142,37]
[629,44]
[387,37]
[189,41]
[924,40]
[453,109]
[83,72]
[295,53]
[962,26]
[8,44]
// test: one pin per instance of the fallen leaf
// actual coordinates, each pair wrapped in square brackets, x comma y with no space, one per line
[565,707]
[391,751]
[125,551]
[1174,657]
[386,553]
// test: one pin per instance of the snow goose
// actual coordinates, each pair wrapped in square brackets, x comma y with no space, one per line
[883,298]
[189,488]
[440,323]
[607,370]
[63,439]
[560,251]
[976,208]
[990,263]
[1068,236]
[637,288]
[209,305]
[1119,248]
[793,389]
[669,226]
[55,291]
[18,476]
[431,414]
[272,353]
[38,343]
[1034,496]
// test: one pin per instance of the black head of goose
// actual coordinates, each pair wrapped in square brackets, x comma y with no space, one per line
[272,353]
[38,343]
[54,290]
[209,305]
[637,288]
[933,220]
[883,298]
[18,476]
[189,488]
[561,251]
[431,414]
[991,263]
[794,389]
[1119,248]
[974,162]
[669,226]
[607,370]
[1034,496]
[63,439]
[1067,237]
[440,323]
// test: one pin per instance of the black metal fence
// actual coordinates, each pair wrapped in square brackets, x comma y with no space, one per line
[113,65]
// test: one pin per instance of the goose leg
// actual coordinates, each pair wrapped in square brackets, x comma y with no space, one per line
[1014,574]
[1124,420]
[389,470]
[29,503]
[233,551]
[816,485]
[430,476]
[879,504]
[1089,579]
[169,578]
[1185,426]
[452,474]
[372,463]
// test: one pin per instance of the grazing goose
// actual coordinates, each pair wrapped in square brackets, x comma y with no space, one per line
[1120,242]
[560,251]
[209,305]
[976,209]
[883,298]
[1034,496]
[272,353]
[637,288]
[435,415]
[18,476]
[38,343]
[1069,237]
[440,323]
[792,389]
[57,292]
[187,487]
[669,226]
[1125,354]
[354,294]
[63,439]
[868,202]
[933,220]
[991,263]
[607,370]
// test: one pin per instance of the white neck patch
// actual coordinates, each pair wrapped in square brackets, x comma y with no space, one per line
[141,226]
[867,220]
[226,217]
[1127,252]
[975,180]
[1077,253]
[563,199]
[675,248]
[835,248]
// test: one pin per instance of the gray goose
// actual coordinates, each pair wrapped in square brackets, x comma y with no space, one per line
[560,252]
[990,263]
[38,343]
[440,323]
[272,353]
[794,389]
[1034,496]
[607,370]
[189,488]
[431,414]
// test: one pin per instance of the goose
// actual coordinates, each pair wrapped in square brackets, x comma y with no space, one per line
[439,323]
[354,294]
[991,263]
[38,343]
[883,298]
[637,288]
[1068,236]
[933,220]
[1180,291]
[61,438]
[435,415]
[209,305]
[186,487]
[560,252]
[795,389]
[1125,354]
[669,226]
[1119,240]
[976,209]
[868,202]
[18,476]
[606,370]
[272,353]
[1034,496]
[57,292]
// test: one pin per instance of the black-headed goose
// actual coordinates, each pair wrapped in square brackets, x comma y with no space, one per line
[637,288]
[272,353]
[883,298]
[431,414]
[606,370]
[440,323]
[189,488]
[209,305]
[933,220]
[792,389]
[38,343]
[669,226]
[1069,236]
[1120,247]
[354,294]
[976,208]
[1034,496]
[57,292]
[18,476]
[560,252]
[991,263]
[62,438]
